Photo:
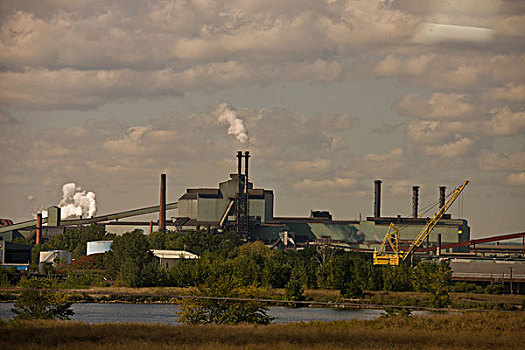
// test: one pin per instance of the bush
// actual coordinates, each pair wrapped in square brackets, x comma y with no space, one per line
[213,305]
[294,290]
[38,301]
[494,289]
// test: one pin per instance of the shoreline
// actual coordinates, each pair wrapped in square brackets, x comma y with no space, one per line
[274,297]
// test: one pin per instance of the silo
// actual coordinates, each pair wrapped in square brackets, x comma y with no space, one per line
[97,247]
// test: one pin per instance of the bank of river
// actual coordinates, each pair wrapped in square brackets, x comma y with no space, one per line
[165,313]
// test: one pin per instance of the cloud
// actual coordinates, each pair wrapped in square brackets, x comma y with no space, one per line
[6,118]
[438,106]
[505,122]
[452,149]
[516,179]
[316,166]
[493,161]
[339,184]
[509,92]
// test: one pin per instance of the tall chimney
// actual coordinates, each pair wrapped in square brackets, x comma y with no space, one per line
[239,165]
[162,210]
[38,228]
[442,190]
[377,199]
[415,200]
[246,156]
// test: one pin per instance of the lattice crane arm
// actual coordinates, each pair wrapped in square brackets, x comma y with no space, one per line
[430,225]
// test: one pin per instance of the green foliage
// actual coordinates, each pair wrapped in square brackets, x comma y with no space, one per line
[35,303]
[294,290]
[128,259]
[352,289]
[440,277]
[397,312]
[74,240]
[397,278]
[206,309]
[9,277]
[494,289]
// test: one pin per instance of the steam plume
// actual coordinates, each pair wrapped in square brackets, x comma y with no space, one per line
[76,202]
[236,125]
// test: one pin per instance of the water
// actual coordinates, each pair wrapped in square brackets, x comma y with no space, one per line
[165,313]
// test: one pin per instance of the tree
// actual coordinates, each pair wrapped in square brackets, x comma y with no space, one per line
[440,285]
[212,305]
[74,240]
[39,301]
[294,290]
[128,259]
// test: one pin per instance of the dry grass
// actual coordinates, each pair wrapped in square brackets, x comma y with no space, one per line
[470,330]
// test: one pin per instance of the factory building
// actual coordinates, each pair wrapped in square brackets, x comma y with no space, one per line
[17,255]
[217,208]
[210,206]
[237,205]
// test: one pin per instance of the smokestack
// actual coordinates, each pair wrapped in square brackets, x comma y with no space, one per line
[246,156]
[162,211]
[151,227]
[38,228]
[442,190]
[415,200]
[239,164]
[377,199]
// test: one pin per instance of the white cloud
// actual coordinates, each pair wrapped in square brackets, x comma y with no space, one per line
[505,122]
[452,149]
[336,184]
[437,106]
[516,179]
[503,162]
[509,92]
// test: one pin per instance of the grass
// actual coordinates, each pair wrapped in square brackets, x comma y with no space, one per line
[460,331]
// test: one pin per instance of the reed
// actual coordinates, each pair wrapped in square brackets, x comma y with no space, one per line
[487,330]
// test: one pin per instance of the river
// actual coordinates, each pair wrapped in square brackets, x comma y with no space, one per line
[165,313]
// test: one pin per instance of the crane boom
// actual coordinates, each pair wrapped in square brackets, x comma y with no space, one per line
[381,257]
[430,225]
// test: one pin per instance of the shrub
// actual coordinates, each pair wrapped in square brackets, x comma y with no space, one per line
[38,301]
[294,290]
[494,289]
[217,303]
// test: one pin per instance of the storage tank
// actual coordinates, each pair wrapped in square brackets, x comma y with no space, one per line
[96,247]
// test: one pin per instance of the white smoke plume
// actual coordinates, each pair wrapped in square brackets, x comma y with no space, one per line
[75,202]
[230,117]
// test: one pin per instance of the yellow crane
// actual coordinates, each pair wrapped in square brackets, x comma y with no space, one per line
[382,257]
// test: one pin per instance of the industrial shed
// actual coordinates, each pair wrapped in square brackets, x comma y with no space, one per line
[168,258]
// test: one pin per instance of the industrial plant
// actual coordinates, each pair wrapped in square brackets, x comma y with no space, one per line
[237,205]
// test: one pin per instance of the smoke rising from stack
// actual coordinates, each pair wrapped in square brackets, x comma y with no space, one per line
[228,116]
[76,202]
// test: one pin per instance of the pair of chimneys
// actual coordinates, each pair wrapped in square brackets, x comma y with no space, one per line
[415,199]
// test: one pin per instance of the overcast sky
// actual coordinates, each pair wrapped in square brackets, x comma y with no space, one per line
[327,96]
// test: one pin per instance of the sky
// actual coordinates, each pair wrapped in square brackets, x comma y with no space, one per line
[327,96]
